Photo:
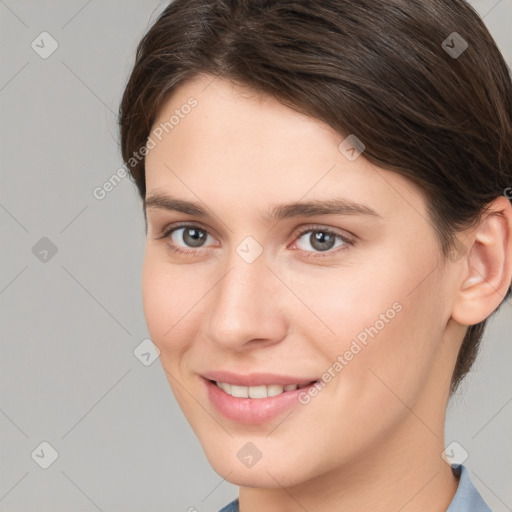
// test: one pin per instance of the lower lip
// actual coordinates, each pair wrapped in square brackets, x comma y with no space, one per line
[252,411]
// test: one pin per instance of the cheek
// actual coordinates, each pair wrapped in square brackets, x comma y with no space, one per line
[398,360]
[155,302]
[164,301]
[164,290]
[387,321]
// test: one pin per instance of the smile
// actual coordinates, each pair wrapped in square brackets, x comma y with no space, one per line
[263,391]
[253,405]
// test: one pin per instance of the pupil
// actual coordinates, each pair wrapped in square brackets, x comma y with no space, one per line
[323,238]
[196,238]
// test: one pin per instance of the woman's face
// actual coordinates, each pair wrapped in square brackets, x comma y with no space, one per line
[357,298]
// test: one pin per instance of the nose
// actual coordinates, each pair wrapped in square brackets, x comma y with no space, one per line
[248,306]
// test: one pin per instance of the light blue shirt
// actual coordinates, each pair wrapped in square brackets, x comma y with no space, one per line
[466,499]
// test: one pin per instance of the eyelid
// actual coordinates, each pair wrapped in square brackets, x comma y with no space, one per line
[299,232]
[167,230]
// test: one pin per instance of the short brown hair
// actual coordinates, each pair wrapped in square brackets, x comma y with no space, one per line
[379,69]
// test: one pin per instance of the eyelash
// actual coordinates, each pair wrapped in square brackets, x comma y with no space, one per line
[316,254]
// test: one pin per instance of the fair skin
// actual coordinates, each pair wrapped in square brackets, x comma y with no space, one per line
[372,438]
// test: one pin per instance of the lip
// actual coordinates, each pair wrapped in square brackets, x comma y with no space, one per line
[251,411]
[256,379]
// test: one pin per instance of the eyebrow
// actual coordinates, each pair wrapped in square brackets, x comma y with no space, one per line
[334,206]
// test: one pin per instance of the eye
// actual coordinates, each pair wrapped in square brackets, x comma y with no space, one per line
[323,240]
[193,236]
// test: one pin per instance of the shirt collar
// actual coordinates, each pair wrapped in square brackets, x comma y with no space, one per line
[467,498]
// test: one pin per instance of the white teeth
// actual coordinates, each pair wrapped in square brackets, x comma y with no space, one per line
[274,389]
[225,386]
[239,391]
[256,391]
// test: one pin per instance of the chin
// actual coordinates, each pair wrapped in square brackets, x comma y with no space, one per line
[273,470]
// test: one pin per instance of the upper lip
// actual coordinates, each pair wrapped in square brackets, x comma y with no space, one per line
[256,379]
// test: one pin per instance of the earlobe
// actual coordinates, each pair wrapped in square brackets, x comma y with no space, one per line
[487,266]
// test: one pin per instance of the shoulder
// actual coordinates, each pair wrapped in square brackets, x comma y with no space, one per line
[230,507]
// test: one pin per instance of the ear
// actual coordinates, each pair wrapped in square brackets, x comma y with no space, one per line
[486,268]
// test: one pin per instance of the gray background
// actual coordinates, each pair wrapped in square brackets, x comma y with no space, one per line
[70,324]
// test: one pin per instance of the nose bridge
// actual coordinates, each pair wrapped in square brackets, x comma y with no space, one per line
[247,267]
[244,281]
[244,306]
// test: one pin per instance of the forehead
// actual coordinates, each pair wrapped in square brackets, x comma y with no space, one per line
[237,146]
[239,120]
